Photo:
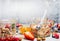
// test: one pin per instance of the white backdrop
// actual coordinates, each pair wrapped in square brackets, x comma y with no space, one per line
[25,10]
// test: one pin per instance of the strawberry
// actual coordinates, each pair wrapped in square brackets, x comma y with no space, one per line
[29,35]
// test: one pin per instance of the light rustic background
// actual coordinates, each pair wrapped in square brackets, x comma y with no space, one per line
[26,10]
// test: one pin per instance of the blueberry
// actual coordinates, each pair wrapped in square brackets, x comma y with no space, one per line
[53,36]
[38,27]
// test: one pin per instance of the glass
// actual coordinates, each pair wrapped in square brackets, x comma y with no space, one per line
[4,22]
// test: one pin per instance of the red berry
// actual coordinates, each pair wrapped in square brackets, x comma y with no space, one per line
[56,36]
[18,25]
[15,39]
[7,26]
[58,25]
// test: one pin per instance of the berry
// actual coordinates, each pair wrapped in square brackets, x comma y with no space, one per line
[56,36]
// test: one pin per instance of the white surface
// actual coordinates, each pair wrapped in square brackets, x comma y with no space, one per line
[47,39]
[52,39]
